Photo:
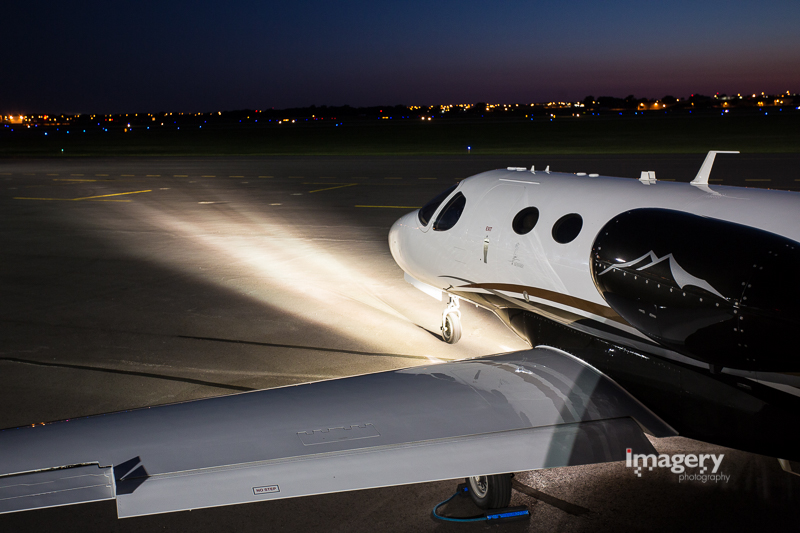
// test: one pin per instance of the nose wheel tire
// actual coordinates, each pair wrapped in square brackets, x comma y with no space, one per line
[490,492]
[451,321]
[451,328]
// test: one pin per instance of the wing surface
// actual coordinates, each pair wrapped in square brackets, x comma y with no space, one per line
[521,411]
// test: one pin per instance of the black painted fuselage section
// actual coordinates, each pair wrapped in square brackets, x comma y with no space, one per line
[722,293]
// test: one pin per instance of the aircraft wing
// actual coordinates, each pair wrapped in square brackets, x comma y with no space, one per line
[521,411]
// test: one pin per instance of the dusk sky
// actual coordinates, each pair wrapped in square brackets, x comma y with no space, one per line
[207,56]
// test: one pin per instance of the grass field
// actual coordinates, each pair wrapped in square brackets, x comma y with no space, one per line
[753,133]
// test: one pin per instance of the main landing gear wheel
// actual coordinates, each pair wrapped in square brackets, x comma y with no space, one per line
[451,321]
[490,492]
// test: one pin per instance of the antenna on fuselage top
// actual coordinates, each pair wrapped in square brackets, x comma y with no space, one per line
[547,169]
[705,169]
[648,177]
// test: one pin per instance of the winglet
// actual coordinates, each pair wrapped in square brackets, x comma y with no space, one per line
[705,169]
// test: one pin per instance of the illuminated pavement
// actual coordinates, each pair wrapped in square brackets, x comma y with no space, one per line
[135,282]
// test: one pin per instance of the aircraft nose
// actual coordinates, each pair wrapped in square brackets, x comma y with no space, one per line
[397,236]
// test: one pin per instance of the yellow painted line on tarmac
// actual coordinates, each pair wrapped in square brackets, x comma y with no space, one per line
[391,206]
[94,198]
[115,194]
[235,176]
[758,179]
[180,175]
[266,177]
[126,175]
[101,174]
[336,187]
[208,176]
[52,174]
[152,175]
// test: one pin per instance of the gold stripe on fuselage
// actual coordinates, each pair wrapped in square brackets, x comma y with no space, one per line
[552,296]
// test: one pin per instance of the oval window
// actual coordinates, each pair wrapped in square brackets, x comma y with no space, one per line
[567,228]
[450,213]
[525,220]
[427,212]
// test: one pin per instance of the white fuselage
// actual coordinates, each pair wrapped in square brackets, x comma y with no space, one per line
[482,247]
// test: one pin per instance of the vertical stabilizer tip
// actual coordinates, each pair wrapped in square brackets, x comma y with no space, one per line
[705,169]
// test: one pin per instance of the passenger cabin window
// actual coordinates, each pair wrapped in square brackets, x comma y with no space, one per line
[450,213]
[567,228]
[525,220]
[429,209]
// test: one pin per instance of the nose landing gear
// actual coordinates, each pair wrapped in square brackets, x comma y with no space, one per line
[451,321]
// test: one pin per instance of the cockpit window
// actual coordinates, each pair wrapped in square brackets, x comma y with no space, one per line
[427,212]
[450,213]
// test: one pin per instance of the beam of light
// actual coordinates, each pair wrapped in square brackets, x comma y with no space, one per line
[304,277]
[338,284]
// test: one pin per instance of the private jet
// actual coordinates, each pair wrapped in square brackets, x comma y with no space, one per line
[651,307]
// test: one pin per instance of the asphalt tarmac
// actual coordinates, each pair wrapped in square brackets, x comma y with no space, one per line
[142,281]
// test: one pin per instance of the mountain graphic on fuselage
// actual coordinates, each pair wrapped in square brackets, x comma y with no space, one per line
[681,277]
